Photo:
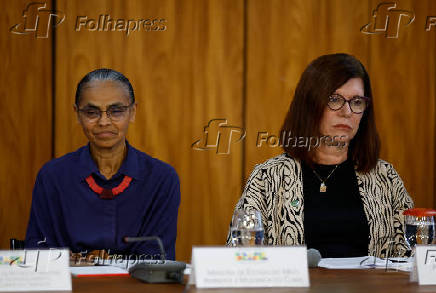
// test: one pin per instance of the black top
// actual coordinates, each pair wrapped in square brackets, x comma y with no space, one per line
[334,222]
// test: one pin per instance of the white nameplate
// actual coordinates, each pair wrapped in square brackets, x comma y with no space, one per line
[238,267]
[35,270]
[425,258]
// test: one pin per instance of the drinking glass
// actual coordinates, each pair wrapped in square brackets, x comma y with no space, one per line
[247,228]
[420,226]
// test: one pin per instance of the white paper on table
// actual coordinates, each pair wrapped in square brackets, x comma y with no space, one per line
[364,262]
[106,267]
[97,270]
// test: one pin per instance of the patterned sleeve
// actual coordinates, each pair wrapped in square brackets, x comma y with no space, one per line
[401,201]
[253,197]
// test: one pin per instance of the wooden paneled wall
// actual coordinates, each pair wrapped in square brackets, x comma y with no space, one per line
[25,119]
[235,60]
[291,35]
[402,72]
[183,77]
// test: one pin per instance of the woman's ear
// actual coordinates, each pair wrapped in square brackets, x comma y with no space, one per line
[76,109]
[132,113]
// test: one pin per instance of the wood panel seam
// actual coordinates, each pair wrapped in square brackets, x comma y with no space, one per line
[244,90]
[53,83]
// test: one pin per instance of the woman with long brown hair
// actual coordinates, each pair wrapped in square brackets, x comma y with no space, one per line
[338,197]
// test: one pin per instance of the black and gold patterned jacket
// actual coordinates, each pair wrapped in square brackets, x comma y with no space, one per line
[275,188]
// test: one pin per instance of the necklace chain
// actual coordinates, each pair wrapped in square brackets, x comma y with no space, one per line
[323,187]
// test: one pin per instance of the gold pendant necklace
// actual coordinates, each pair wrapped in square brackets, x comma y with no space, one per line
[323,187]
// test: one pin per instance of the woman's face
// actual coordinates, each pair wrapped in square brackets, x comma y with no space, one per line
[343,123]
[105,132]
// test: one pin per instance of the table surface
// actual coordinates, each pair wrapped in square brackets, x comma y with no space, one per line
[321,280]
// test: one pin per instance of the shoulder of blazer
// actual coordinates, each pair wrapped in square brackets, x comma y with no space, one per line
[278,161]
[383,165]
[381,169]
[273,168]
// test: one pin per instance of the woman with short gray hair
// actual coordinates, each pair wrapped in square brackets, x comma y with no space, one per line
[92,198]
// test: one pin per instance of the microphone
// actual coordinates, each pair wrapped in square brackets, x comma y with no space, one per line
[313,258]
[156,271]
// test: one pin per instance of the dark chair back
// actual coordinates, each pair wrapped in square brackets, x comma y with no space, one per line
[16,244]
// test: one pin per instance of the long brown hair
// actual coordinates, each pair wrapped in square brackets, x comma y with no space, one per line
[321,78]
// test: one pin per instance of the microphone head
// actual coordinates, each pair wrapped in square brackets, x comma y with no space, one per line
[313,258]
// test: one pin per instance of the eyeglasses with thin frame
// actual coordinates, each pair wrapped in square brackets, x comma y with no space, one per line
[357,104]
[114,113]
